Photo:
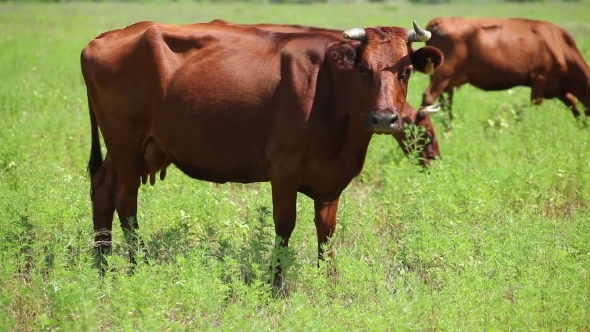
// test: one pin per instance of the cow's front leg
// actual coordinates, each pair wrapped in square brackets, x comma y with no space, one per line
[439,84]
[537,88]
[284,201]
[325,224]
[570,101]
[449,102]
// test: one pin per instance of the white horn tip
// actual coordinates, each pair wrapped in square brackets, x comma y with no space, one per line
[355,34]
[427,110]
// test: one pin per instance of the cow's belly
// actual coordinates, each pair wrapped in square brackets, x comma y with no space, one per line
[215,127]
[504,82]
[498,75]
[214,144]
[240,173]
[217,159]
[217,153]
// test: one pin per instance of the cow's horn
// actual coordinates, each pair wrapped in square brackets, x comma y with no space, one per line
[427,110]
[354,34]
[418,34]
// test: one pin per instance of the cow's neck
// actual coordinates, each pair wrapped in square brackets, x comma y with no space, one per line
[354,151]
[341,158]
[346,141]
[358,136]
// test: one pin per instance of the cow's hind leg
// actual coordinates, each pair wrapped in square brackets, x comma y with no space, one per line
[126,205]
[129,169]
[103,209]
[131,172]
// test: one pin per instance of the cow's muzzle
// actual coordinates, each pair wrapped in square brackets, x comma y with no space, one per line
[384,122]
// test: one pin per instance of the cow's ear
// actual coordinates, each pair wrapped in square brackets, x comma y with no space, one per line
[343,54]
[427,59]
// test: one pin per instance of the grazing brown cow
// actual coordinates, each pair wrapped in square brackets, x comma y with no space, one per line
[425,141]
[499,53]
[240,104]
[426,144]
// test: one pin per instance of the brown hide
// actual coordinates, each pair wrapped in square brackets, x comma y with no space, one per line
[427,143]
[239,104]
[498,54]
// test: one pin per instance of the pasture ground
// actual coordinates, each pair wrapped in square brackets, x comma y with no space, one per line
[495,237]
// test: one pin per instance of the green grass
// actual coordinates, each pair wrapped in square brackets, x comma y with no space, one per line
[495,237]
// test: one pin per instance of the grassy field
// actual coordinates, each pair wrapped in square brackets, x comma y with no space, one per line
[495,237]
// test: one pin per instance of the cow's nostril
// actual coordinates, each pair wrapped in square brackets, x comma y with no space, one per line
[393,120]
[374,120]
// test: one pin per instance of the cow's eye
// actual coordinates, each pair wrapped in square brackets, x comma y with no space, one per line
[405,75]
[364,69]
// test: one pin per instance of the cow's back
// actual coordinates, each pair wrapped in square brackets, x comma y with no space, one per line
[494,53]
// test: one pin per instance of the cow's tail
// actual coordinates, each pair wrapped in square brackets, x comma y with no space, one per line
[95,160]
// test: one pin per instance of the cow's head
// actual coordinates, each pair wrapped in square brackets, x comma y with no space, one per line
[423,139]
[386,59]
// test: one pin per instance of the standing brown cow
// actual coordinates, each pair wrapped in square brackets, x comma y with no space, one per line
[425,142]
[240,104]
[499,53]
